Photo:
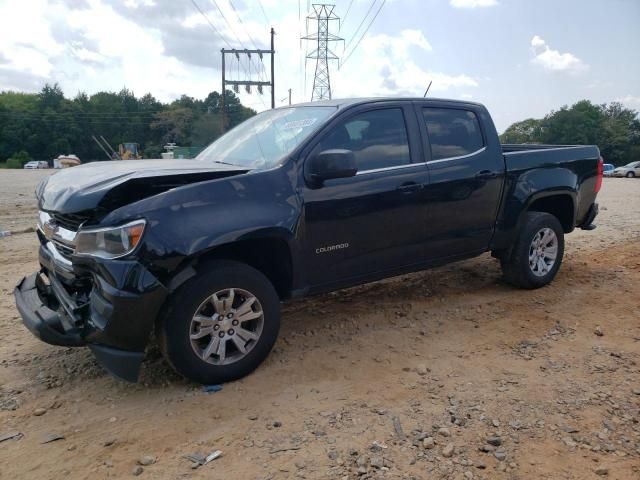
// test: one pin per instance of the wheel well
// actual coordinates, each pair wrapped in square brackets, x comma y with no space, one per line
[270,256]
[560,206]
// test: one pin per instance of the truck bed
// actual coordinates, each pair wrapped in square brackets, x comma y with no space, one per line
[527,156]
[567,169]
[520,147]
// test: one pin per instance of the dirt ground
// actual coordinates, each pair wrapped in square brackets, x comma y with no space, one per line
[444,374]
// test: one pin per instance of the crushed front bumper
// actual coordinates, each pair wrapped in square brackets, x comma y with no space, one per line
[42,321]
[113,312]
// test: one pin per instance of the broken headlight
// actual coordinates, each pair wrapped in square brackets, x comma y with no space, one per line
[110,242]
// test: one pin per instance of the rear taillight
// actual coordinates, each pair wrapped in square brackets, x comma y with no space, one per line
[600,174]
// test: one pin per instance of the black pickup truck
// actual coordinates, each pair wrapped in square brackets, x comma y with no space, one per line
[295,201]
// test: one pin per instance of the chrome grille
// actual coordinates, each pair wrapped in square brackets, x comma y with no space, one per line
[65,250]
[70,221]
[58,238]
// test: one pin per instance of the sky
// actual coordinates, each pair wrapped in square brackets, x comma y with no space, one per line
[521,58]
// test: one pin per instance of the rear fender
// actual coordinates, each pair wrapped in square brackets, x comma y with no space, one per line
[523,189]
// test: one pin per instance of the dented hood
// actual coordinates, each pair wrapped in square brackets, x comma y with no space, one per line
[108,185]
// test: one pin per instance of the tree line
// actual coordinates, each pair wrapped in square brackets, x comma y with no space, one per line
[612,127]
[43,125]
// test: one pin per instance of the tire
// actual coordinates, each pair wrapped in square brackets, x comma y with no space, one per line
[517,268]
[201,359]
[630,175]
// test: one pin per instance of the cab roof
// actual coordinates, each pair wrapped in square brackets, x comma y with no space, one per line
[347,102]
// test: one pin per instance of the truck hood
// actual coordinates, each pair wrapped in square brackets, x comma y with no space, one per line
[105,186]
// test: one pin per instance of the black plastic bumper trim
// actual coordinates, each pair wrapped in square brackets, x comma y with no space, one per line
[122,364]
[47,325]
[39,319]
[587,224]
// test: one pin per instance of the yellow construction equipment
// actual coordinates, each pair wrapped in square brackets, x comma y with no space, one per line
[129,151]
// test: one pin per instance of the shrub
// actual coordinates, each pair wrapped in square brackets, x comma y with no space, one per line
[18,159]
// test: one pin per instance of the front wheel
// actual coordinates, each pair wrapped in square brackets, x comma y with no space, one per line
[537,253]
[221,324]
[630,175]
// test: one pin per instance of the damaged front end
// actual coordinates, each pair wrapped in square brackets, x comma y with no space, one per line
[106,304]
[97,286]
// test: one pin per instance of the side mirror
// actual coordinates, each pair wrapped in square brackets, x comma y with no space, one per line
[329,164]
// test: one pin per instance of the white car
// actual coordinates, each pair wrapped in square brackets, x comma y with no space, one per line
[630,170]
[34,164]
[607,169]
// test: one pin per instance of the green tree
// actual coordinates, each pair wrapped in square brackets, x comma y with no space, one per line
[174,125]
[206,128]
[47,124]
[526,131]
[612,127]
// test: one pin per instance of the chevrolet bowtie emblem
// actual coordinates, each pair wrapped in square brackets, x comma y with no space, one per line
[50,228]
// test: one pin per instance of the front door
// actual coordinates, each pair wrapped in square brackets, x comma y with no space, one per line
[374,221]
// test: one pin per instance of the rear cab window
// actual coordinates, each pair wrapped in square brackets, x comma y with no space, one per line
[452,132]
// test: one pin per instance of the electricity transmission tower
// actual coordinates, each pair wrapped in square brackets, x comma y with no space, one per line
[323,15]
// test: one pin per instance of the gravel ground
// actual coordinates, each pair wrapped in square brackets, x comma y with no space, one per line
[17,200]
[444,374]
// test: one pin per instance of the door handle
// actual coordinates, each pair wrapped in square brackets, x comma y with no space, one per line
[485,174]
[410,187]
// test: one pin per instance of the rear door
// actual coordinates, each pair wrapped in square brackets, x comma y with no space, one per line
[376,220]
[465,180]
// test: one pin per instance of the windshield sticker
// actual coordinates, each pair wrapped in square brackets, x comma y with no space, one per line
[305,122]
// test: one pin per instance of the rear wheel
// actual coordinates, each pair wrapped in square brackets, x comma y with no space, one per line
[221,324]
[537,253]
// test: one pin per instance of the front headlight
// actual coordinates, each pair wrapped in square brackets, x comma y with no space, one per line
[110,242]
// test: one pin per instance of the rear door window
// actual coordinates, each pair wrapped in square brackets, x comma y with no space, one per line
[452,132]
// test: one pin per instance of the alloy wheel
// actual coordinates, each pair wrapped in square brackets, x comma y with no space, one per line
[543,252]
[226,326]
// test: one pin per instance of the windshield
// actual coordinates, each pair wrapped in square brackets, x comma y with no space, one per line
[263,141]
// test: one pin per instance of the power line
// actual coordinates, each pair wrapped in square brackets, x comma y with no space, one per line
[216,30]
[235,10]
[209,22]
[262,73]
[221,36]
[361,23]
[266,17]
[264,12]
[364,33]
[344,19]
[88,115]
[227,22]
[85,114]
[233,31]
[68,117]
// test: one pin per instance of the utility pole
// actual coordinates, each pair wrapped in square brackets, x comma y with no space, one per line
[289,96]
[323,15]
[273,87]
[224,96]
[247,82]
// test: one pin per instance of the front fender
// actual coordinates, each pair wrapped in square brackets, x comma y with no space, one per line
[188,265]
[190,220]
